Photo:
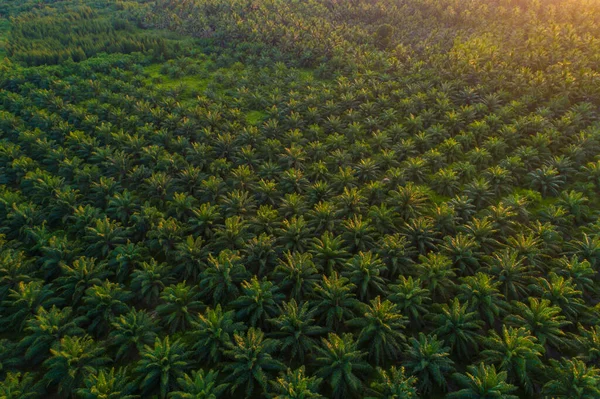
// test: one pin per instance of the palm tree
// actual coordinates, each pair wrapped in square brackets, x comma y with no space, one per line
[335,303]
[212,332]
[296,274]
[458,327]
[483,382]
[76,279]
[512,273]
[381,329]
[23,303]
[572,379]
[396,253]
[364,270]
[149,280]
[411,298]
[199,385]
[481,293]
[19,386]
[250,361]
[394,384]
[219,281]
[421,234]
[295,329]
[180,305]
[131,332]
[258,301]
[428,359]
[341,364]
[516,352]
[107,384]
[561,292]
[543,320]
[45,330]
[436,272]
[463,250]
[329,252]
[102,304]
[160,366]
[71,360]
[295,384]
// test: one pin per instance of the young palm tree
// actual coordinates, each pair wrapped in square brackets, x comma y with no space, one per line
[71,360]
[212,332]
[561,292]
[45,330]
[543,320]
[428,359]
[102,304]
[250,362]
[258,301]
[514,275]
[436,272]
[516,352]
[481,293]
[458,327]
[296,329]
[180,306]
[342,365]
[329,252]
[573,379]
[149,280]
[160,366]
[76,279]
[20,386]
[295,384]
[394,384]
[199,384]
[381,330]
[296,274]
[334,301]
[220,280]
[364,270]
[483,382]
[107,384]
[131,332]
[411,298]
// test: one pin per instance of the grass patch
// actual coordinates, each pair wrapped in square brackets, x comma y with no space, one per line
[255,117]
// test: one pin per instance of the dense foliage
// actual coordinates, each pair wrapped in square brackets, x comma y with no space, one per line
[300,199]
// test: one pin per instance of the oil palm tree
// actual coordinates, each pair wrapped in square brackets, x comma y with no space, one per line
[46,329]
[180,306]
[458,327]
[295,384]
[342,365]
[516,352]
[573,379]
[334,301]
[296,329]
[381,330]
[393,383]
[296,274]
[428,359]
[131,332]
[543,320]
[365,271]
[483,382]
[412,299]
[219,281]
[251,361]
[107,384]
[258,301]
[199,385]
[70,361]
[212,332]
[482,295]
[160,366]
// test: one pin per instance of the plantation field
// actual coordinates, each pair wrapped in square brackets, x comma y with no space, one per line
[290,199]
